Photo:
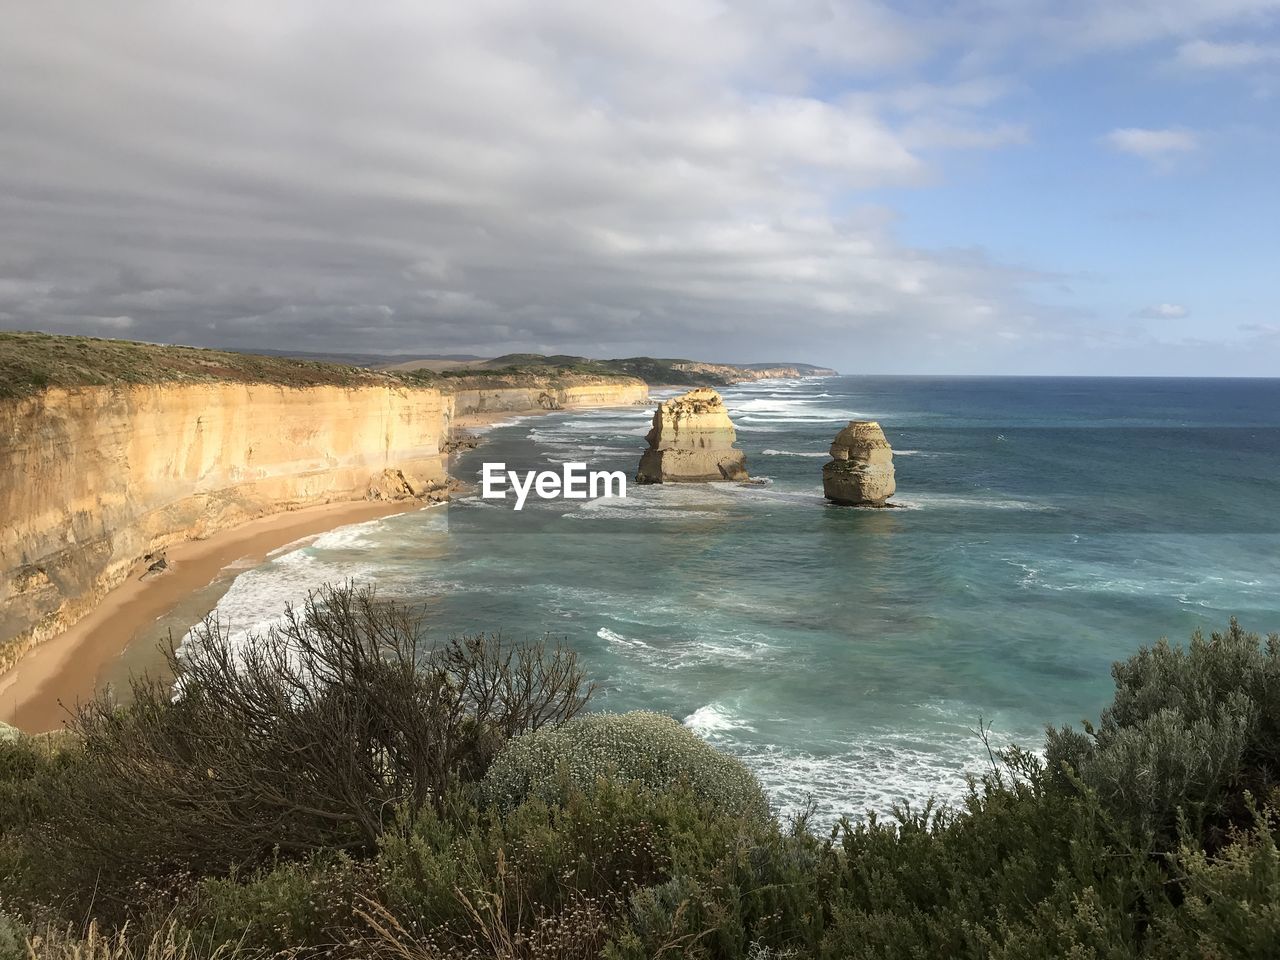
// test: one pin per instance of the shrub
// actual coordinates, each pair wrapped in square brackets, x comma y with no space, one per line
[541,881]
[306,738]
[35,777]
[1232,900]
[641,747]
[299,908]
[13,938]
[1187,731]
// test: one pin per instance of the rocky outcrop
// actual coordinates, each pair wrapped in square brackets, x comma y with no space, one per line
[692,442]
[96,478]
[861,469]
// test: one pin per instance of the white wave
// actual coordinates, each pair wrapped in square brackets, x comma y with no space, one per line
[714,719]
[955,501]
[747,490]
[774,404]
[832,418]
[794,453]
[352,536]
[483,428]
[616,509]
[878,771]
[257,598]
[604,633]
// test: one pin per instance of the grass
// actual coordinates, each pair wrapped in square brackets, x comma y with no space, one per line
[31,362]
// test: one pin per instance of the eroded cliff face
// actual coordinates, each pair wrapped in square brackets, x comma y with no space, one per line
[473,396]
[93,479]
[692,442]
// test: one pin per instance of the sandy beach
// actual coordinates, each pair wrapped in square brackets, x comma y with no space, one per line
[36,694]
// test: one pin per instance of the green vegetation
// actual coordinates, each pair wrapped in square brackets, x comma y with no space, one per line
[30,362]
[342,788]
[652,370]
[645,749]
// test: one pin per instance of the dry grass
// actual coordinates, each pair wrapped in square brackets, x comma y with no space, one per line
[30,362]
[168,943]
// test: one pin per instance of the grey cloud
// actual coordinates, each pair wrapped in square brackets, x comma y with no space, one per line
[487,176]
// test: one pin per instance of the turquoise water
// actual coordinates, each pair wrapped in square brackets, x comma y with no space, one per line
[1050,526]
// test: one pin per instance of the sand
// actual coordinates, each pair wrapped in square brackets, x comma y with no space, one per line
[36,694]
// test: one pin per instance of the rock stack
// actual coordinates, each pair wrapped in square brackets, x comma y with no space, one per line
[861,469]
[692,442]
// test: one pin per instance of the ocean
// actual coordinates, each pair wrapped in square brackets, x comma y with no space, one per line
[1047,528]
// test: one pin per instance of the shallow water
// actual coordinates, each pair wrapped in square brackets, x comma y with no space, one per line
[1051,527]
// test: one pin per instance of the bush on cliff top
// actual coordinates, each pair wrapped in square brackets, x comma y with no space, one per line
[644,748]
[308,737]
[1188,731]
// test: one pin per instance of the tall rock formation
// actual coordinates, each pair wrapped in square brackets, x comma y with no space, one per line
[861,470]
[692,442]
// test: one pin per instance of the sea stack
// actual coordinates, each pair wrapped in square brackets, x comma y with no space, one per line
[860,473]
[692,442]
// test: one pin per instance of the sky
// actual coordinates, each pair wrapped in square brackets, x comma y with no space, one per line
[971,187]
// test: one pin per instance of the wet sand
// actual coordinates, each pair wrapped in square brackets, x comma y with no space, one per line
[36,694]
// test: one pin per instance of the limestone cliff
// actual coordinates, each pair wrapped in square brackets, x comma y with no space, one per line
[531,394]
[94,478]
[692,441]
[860,472]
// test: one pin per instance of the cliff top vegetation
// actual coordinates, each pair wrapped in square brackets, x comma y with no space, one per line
[656,371]
[31,362]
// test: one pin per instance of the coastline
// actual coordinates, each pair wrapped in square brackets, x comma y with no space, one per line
[37,692]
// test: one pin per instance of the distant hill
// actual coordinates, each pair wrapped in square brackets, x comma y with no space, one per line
[656,371]
[387,361]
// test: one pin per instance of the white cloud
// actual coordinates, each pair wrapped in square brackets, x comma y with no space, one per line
[1155,145]
[1163,311]
[405,175]
[1210,55]
[498,174]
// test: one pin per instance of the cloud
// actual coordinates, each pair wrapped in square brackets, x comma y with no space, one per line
[683,175]
[1210,55]
[1162,311]
[598,177]
[1158,146]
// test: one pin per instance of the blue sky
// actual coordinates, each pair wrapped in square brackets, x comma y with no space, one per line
[1192,232]
[981,186]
